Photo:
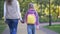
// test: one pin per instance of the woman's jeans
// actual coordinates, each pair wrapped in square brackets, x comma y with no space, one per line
[31,29]
[12,23]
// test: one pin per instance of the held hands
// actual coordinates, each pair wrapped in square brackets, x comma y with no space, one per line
[22,21]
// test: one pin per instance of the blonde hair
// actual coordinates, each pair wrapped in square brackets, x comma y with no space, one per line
[30,5]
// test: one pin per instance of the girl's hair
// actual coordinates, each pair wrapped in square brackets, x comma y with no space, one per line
[30,5]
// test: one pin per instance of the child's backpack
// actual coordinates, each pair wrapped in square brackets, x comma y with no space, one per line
[31,19]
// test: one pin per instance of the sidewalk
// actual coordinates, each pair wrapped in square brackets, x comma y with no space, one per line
[22,29]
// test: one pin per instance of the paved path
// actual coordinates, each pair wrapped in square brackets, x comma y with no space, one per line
[22,29]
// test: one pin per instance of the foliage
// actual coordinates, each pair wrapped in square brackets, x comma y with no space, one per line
[1,8]
[41,6]
[2,26]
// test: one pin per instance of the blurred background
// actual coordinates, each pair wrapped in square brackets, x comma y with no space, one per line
[48,10]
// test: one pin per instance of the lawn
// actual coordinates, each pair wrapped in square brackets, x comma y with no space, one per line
[2,26]
[55,28]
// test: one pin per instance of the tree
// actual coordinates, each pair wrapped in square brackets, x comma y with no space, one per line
[1,8]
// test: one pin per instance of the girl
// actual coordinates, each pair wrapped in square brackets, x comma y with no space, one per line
[32,19]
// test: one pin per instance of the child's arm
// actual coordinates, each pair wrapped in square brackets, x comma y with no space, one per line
[25,17]
[37,20]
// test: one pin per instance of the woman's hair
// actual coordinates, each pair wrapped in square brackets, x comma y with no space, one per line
[30,5]
[9,2]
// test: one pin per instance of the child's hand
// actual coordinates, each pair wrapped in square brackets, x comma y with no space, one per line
[37,27]
[22,21]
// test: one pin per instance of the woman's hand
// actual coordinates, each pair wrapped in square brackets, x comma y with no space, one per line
[6,22]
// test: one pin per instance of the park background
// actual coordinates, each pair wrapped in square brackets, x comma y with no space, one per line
[45,8]
[48,10]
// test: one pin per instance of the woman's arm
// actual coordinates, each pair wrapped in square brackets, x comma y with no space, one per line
[18,9]
[4,11]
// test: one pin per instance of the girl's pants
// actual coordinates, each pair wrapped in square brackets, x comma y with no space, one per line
[12,23]
[31,28]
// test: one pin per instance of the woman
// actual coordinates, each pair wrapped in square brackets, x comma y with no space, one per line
[12,14]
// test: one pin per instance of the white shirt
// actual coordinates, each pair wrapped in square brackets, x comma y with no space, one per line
[12,11]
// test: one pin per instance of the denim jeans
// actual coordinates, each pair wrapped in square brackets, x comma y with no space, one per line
[31,29]
[12,23]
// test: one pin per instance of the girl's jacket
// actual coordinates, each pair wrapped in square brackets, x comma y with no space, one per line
[31,11]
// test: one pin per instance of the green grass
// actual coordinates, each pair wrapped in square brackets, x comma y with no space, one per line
[2,26]
[55,28]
